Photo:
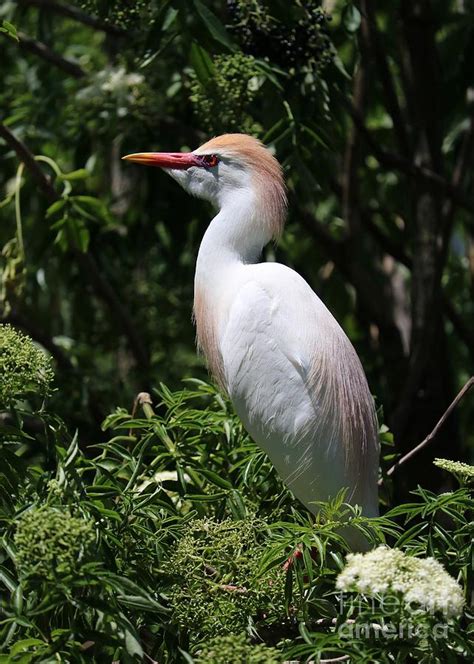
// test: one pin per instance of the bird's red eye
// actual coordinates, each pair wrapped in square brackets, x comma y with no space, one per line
[210,160]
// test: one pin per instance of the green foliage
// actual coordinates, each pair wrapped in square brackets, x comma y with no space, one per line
[50,542]
[24,367]
[225,649]
[219,588]
[176,536]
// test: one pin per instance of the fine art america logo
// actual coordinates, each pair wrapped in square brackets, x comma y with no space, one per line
[388,617]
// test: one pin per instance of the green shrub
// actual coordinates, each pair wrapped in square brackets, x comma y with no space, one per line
[172,538]
[219,588]
[24,368]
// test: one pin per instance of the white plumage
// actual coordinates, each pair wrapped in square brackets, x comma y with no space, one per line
[291,373]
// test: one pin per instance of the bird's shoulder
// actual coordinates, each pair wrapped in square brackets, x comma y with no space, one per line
[273,305]
[275,294]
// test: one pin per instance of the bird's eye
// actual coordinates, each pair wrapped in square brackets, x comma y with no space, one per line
[210,160]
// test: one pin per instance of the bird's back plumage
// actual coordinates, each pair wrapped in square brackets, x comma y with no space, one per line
[298,386]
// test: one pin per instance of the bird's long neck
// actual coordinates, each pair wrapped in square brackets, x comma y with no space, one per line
[233,239]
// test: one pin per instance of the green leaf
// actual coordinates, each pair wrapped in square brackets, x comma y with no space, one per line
[95,206]
[7,579]
[205,498]
[25,644]
[55,207]
[9,29]
[351,18]
[170,18]
[83,239]
[132,644]
[213,24]
[202,63]
[214,478]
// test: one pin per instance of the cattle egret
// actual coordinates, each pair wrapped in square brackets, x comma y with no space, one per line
[290,371]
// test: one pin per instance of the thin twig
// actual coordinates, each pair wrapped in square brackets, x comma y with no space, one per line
[424,443]
[44,51]
[229,588]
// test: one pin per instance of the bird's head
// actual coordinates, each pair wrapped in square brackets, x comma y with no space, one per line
[229,170]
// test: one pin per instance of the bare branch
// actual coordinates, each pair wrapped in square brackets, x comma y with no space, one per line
[352,156]
[429,439]
[43,51]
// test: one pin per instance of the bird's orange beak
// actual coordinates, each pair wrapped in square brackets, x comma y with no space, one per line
[177,160]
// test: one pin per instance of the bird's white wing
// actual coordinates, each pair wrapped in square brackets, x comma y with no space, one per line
[298,386]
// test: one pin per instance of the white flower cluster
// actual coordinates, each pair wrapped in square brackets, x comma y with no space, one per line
[464,471]
[117,79]
[420,581]
[113,81]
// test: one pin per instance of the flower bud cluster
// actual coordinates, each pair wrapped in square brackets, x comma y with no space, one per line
[24,367]
[51,542]
[236,648]
[463,471]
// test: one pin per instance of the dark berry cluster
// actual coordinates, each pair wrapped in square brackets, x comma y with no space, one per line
[300,41]
[123,13]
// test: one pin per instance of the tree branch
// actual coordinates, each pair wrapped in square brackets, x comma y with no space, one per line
[76,14]
[46,53]
[30,162]
[353,270]
[429,439]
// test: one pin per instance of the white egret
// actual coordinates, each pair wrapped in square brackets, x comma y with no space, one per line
[291,372]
